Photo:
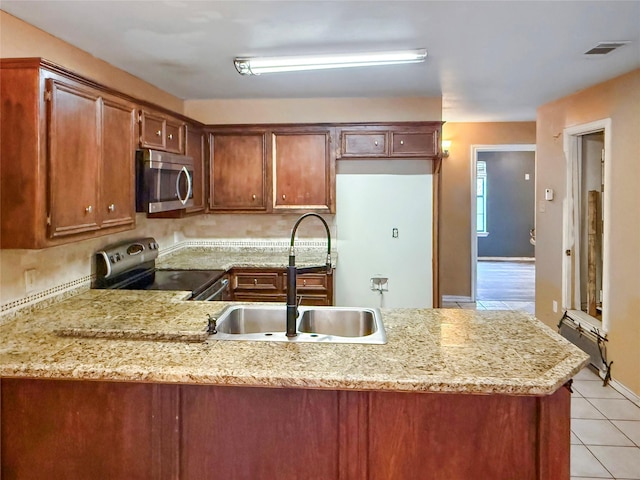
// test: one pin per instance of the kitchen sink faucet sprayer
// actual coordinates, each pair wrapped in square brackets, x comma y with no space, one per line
[292,272]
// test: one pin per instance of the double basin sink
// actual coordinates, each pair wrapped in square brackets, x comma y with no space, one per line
[314,324]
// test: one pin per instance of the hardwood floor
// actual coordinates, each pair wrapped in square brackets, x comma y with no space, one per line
[506,281]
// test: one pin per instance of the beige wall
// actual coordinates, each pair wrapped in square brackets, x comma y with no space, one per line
[20,39]
[315,110]
[619,100]
[455,214]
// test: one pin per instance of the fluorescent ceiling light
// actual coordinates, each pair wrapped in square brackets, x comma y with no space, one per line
[260,65]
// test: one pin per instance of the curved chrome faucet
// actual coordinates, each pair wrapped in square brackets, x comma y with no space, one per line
[292,272]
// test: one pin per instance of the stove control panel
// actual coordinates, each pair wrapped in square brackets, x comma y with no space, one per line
[121,257]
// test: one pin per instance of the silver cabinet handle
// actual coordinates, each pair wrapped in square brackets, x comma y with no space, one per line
[255,281]
[284,197]
[253,197]
[111,208]
[89,209]
[171,136]
[304,283]
[401,142]
[159,133]
[375,143]
[189,186]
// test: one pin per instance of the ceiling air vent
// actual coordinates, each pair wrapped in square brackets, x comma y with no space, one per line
[605,47]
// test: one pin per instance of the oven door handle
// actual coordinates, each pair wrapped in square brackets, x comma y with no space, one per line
[223,284]
[189,186]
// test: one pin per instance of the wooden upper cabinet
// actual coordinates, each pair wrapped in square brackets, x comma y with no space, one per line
[91,160]
[393,140]
[238,171]
[303,170]
[67,157]
[160,132]
[117,206]
[195,148]
[74,134]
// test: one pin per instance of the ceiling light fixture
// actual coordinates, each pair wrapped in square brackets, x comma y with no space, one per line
[260,65]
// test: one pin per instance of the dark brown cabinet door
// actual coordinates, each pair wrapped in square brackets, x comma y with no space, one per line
[117,206]
[73,161]
[151,131]
[304,170]
[259,433]
[195,149]
[238,171]
[174,136]
[71,430]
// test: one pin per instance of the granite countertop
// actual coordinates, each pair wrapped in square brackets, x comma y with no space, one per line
[207,258]
[119,335]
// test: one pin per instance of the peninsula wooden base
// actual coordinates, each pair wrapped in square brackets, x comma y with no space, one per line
[52,429]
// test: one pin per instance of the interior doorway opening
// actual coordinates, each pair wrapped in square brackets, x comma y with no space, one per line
[584,273]
[502,218]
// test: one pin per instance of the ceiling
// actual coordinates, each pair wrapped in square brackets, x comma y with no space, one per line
[489,60]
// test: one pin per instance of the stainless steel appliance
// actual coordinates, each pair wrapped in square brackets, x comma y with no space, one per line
[164,181]
[130,265]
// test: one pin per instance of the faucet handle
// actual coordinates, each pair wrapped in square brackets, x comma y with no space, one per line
[211,324]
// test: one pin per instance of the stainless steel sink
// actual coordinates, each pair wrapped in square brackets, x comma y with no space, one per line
[314,324]
[344,322]
[247,319]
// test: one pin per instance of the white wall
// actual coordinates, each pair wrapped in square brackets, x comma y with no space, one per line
[373,197]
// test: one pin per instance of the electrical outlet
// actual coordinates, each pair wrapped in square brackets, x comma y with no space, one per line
[394,233]
[555,306]
[30,280]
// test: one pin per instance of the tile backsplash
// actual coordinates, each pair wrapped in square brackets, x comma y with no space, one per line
[66,269]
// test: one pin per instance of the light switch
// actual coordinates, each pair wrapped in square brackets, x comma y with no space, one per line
[526,176]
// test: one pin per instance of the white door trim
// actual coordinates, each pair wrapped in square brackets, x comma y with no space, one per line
[571,147]
[475,149]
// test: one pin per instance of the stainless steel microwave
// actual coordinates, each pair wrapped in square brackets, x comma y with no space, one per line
[164,181]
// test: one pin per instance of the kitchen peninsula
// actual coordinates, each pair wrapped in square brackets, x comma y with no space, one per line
[144,393]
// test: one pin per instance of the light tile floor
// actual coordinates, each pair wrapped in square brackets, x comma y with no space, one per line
[605,426]
[605,431]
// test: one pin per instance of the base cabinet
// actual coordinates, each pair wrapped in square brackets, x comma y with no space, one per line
[53,429]
[270,285]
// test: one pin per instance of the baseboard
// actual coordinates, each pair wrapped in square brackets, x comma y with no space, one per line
[620,388]
[456,298]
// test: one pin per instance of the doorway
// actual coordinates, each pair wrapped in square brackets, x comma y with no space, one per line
[585,277]
[502,218]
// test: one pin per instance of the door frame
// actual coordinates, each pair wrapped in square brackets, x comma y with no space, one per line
[475,149]
[572,150]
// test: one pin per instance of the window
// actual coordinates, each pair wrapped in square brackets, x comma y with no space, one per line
[481,198]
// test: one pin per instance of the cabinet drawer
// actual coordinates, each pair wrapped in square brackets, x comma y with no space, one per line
[364,144]
[311,282]
[256,281]
[413,144]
